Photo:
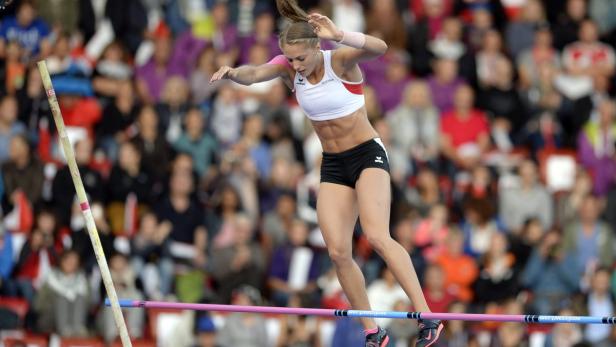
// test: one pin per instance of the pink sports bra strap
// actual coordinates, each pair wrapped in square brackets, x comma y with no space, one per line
[279,60]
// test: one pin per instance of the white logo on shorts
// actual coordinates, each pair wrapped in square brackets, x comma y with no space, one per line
[378,160]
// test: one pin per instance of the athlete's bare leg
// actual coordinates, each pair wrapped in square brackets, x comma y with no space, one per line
[374,200]
[337,213]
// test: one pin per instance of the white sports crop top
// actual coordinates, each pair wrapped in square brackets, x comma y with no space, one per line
[331,98]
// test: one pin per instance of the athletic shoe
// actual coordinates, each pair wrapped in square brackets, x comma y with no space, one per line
[378,339]
[429,331]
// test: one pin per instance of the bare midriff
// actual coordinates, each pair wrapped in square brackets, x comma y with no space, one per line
[338,135]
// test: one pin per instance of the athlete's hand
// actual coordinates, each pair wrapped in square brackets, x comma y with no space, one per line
[221,74]
[324,27]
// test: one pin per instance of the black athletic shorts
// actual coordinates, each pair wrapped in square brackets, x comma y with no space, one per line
[345,167]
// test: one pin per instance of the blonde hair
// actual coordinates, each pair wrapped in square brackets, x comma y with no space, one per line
[299,31]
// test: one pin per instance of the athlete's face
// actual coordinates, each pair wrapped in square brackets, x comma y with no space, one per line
[303,58]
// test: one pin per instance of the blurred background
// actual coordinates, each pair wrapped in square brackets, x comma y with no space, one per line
[499,120]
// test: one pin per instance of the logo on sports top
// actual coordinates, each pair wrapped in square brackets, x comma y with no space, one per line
[300,81]
[378,160]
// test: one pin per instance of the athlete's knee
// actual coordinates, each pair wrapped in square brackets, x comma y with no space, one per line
[340,256]
[379,242]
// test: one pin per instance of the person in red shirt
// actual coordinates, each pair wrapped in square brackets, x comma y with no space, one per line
[464,130]
[437,295]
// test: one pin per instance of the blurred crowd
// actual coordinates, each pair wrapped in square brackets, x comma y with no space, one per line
[500,124]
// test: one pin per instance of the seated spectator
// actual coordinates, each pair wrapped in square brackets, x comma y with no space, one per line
[201,90]
[542,52]
[448,43]
[526,200]
[262,34]
[428,25]
[288,274]
[151,258]
[567,206]
[543,133]
[427,192]
[389,85]
[589,57]
[597,147]
[431,232]
[206,331]
[152,76]
[244,329]
[62,189]
[438,296]
[22,173]
[62,15]
[195,141]
[127,178]
[241,262]
[551,274]
[460,269]
[155,151]
[276,222]
[478,226]
[30,31]
[456,332]
[567,23]
[63,301]
[599,302]
[414,124]
[443,83]
[111,71]
[124,280]
[487,59]
[298,330]
[9,125]
[510,334]
[180,213]
[119,116]
[403,232]
[464,131]
[565,334]
[172,107]
[498,278]
[383,293]
[590,239]
[519,33]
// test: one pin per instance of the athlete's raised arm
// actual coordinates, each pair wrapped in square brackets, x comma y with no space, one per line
[356,46]
[249,74]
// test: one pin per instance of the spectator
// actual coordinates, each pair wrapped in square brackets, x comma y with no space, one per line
[569,205]
[63,301]
[241,262]
[478,226]
[526,200]
[568,23]
[597,147]
[155,151]
[541,52]
[460,269]
[197,142]
[464,131]
[22,172]
[551,274]
[384,19]
[589,57]
[61,15]
[172,107]
[599,302]
[437,294]
[244,329]
[124,280]
[299,331]
[488,58]
[588,237]
[602,12]
[525,241]
[414,124]
[276,222]
[201,90]
[565,334]
[151,259]
[456,333]
[63,195]
[443,83]
[497,280]
[509,335]
[206,331]
[152,76]
[28,30]
[427,192]
[111,71]
[181,213]
[119,116]
[383,294]
[9,125]
[431,232]
[262,34]
[519,33]
[294,268]
[428,27]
